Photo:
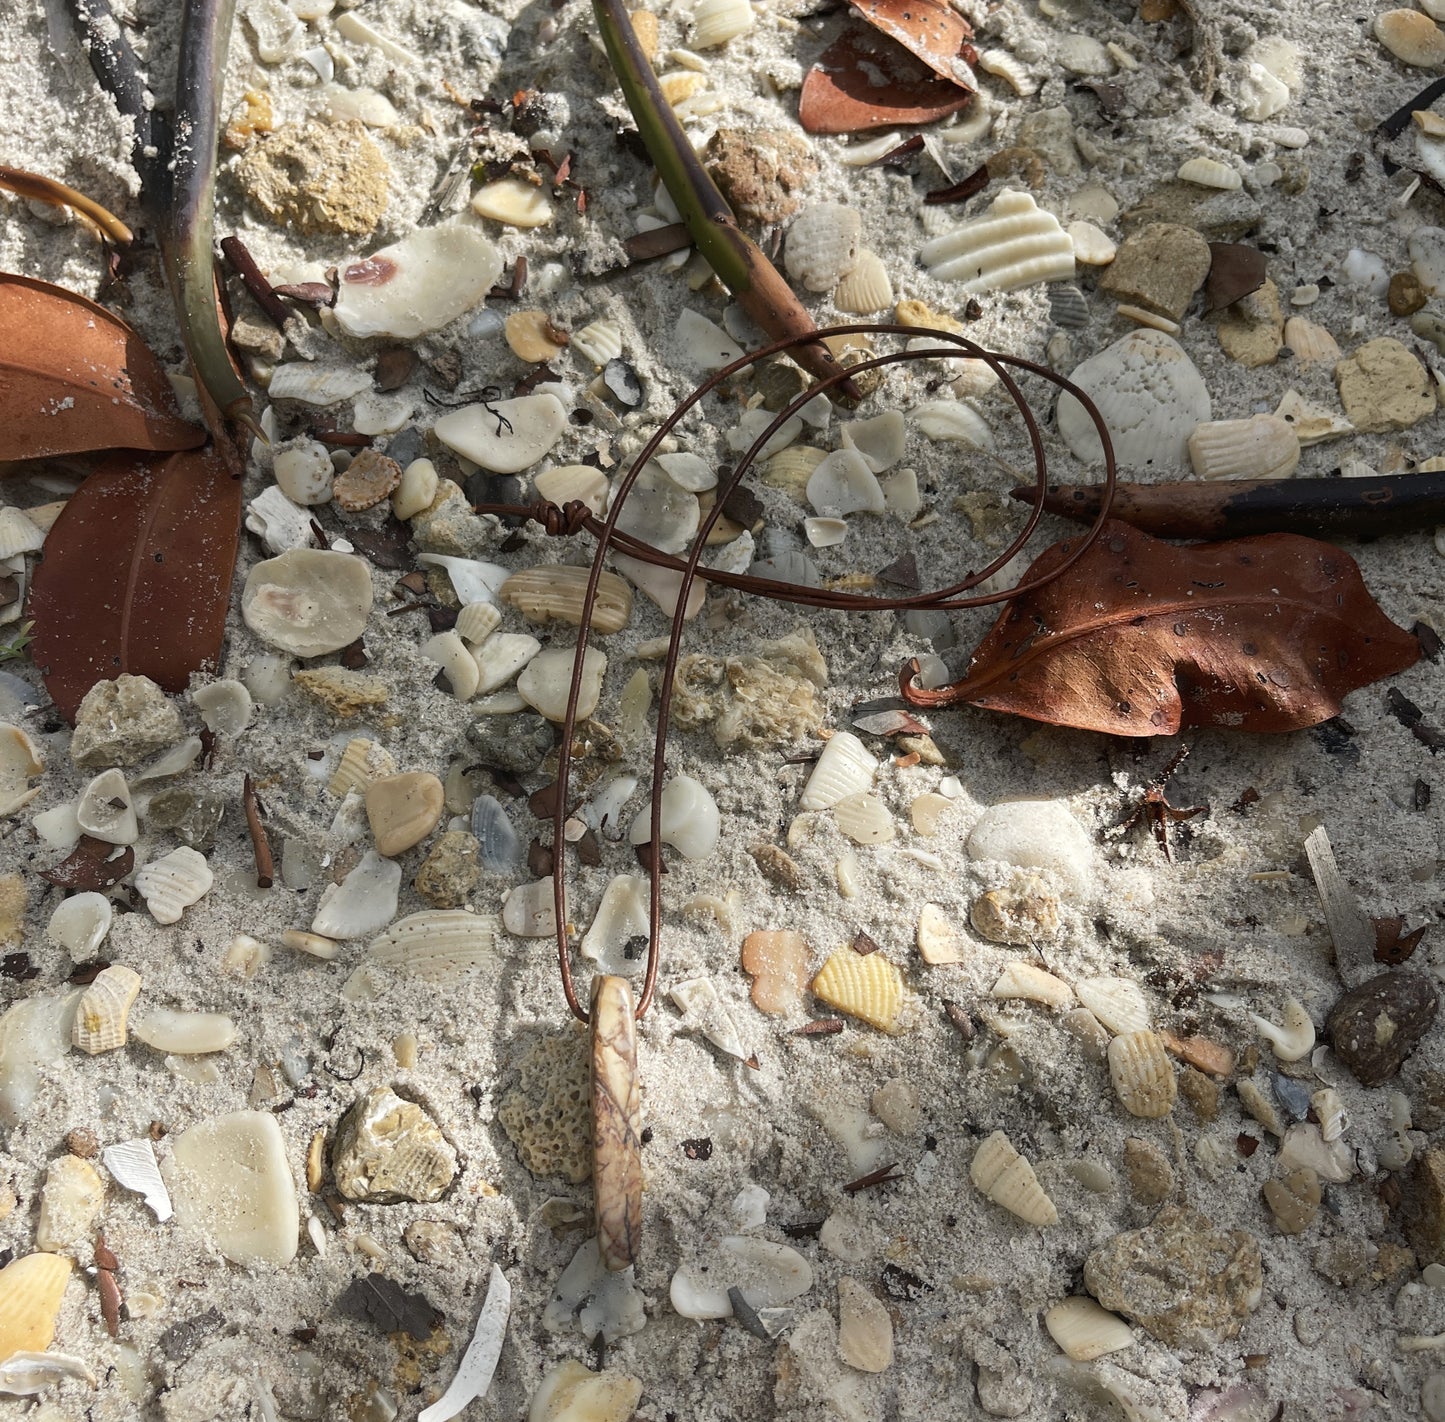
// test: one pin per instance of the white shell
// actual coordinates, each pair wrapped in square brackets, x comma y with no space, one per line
[1295,1038]
[133,1164]
[547,679]
[953,420]
[363,902]
[529,910]
[417,490]
[938,940]
[622,917]
[505,437]
[1116,1002]
[661,585]
[79,925]
[472,579]
[1311,423]
[225,706]
[479,1363]
[1024,980]
[657,510]
[106,811]
[19,764]
[1209,173]
[750,426]
[864,819]
[1261,447]
[277,522]
[567,482]
[1015,243]
[704,1012]
[1330,1109]
[25,1374]
[867,288]
[439,945]
[766,1274]
[361,762]
[825,532]
[705,345]
[17,534]
[245,956]
[513,202]
[598,342]
[317,384]
[309,601]
[1142,1075]
[1085,1330]
[1005,1177]
[691,471]
[477,621]
[173,883]
[715,22]
[458,664]
[843,484]
[1150,396]
[101,1013]
[690,821]
[1012,70]
[846,767]
[186,1033]
[304,471]
[822,245]
[1092,246]
[881,440]
[418,285]
[312,944]
[603,809]
[1304,1146]
[179,758]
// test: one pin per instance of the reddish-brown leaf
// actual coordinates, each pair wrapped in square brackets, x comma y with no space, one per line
[864,80]
[933,31]
[92,864]
[136,574]
[1142,638]
[75,377]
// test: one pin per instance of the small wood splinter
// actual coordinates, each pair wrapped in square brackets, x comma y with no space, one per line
[265,869]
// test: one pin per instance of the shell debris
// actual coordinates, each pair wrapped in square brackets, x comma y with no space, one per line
[172,883]
[554,592]
[100,1015]
[1142,1075]
[1261,447]
[867,987]
[1015,243]
[1085,1330]
[999,1172]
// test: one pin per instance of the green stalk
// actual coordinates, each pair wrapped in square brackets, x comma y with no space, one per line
[738,261]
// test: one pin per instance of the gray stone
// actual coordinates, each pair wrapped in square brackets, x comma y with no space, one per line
[450,527]
[1159,268]
[1050,133]
[193,816]
[122,722]
[1151,1177]
[1377,1024]
[1181,1279]
[1216,216]
[516,743]
[388,1150]
[451,871]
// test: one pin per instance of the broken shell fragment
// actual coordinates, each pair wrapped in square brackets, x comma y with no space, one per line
[476,621]
[309,601]
[438,945]
[1015,243]
[766,1274]
[554,592]
[842,484]
[506,437]
[106,811]
[938,940]
[690,821]
[572,1392]
[458,665]
[1116,1002]
[846,767]
[361,762]
[513,202]
[1261,447]
[530,910]
[79,925]
[715,22]
[19,764]
[1293,1040]
[31,1289]
[598,342]
[881,441]
[1085,1330]
[100,1015]
[185,1033]
[999,1172]
[865,1331]
[867,987]
[864,819]
[403,809]
[1209,173]
[503,655]
[1142,1075]
[622,919]
[1023,980]
[547,679]
[568,482]
[69,1202]
[777,960]
[225,706]
[363,902]
[174,882]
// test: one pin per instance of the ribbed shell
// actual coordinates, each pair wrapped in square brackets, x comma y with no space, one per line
[1016,243]
[715,22]
[822,246]
[598,341]
[173,883]
[1068,306]
[1261,447]
[31,1289]
[477,621]
[864,819]
[438,945]
[1006,1178]
[1142,1075]
[1116,1002]
[1209,173]
[846,767]
[553,592]
[100,1015]
[867,288]
[1311,343]
[790,469]
[1085,1330]
[18,534]
[867,986]
[501,849]
[1331,1113]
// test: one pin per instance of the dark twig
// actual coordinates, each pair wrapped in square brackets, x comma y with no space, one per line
[821,1027]
[106,1265]
[882,1176]
[259,843]
[244,263]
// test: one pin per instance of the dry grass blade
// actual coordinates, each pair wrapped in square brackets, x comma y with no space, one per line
[100,220]
[75,377]
[136,575]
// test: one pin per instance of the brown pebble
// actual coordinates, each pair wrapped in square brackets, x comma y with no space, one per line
[1200,1092]
[1422,1206]
[1406,296]
[82,1142]
[395,367]
[1294,1201]
[1212,1057]
[366,481]
[779,866]
[1151,1177]
[1376,1025]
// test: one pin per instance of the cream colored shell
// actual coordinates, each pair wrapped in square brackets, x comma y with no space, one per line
[1311,343]
[19,763]
[598,342]
[174,882]
[104,1006]
[361,762]
[1024,980]
[866,986]
[554,592]
[1261,447]
[1005,1177]
[1085,1330]
[1116,1002]
[1142,1074]
[864,819]
[790,469]
[476,621]
[437,945]
[31,1290]
[867,288]
[715,22]
[1015,243]
[1210,173]
[846,767]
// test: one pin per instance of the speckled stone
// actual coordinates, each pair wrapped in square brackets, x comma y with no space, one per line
[516,743]
[761,171]
[318,178]
[451,871]
[193,816]
[123,722]
[1159,268]
[1377,1024]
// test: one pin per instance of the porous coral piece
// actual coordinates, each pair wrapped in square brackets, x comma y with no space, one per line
[760,171]
[320,178]
[546,1114]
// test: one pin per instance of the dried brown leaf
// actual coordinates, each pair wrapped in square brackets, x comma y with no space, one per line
[934,32]
[75,377]
[1141,638]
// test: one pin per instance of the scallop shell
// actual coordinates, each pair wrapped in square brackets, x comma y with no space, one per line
[864,819]
[715,22]
[555,592]
[309,601]
[315,384]
[547,680]
[865,986]
[790,469]
[173,883]
[867,288]
[361,762]
[598,342]
[1261,447]
[1209,173]
[822,245]
[476,621]
[843,484]
[17,534]
[1015,243]
[455,658]
[690,821]
[105,810]
[363,902]
[1005,1177]
[1085,1330]
[100,1015]
[1068,306]
[79,925]
[502,656]
[514,203]
[31,1291]
[1023,980]
[846,767]
[185,1033]
[1330,1110]
[19,763]
[1142,1075]
[438,946]
[1116,1002]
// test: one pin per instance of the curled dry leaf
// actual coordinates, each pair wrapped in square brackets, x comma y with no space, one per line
[136,575]
[1141,638]
[75,377]
[934,32]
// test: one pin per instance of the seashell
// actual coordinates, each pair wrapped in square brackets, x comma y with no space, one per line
[530,910]
[1312,424]
[1413,38]
[245,956]
[658,511]
[225,706]
[1020,979]
[547,680]
[715,22]
[749,429]
[105,810]
[341,105]
[704,1012]
[704,345]
[417,490]
[1068,306]
[18,535]
[479,1363]
[173,883]
[767,1275]
[1085,1330]
[1092,246]
[1292,1040]
[598,342]
[313,384]
[1015,243]
[502,656]
[303,471]
[19,764]
[31,1290]
[689,471]
[1294,1201]
[186,1033]
[1142,1076]
[472,580]
[690,821]
[403,809]
[456,660]
[1116,1002]
[661,585]
[1209,173]
[938,940]
[309,601]
[554,592]
[133,1165]
[843,484]
[881,440]
[952,420]
[1020,913]
[1013,71]
[532,337]
[623,917]
[867,288]
[790,469]
[1304,1148]
[1261,447]
[568,482]
[506,437]
[1000,1173]
[100,1015]
[864,819]
[79,925]
[476,621]
[361,762]
[365,482]
[846,767]
[314,945]
[602,810]
[26,1373]
[825,532]
[438,946]
[513,202]
[1150,396]
[822,245]
[865,1330]
[363,902]
[501,849]
[1330,1112]
[867,987]
[572,1392]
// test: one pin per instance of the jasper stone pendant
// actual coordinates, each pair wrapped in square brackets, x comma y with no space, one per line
[616,1122]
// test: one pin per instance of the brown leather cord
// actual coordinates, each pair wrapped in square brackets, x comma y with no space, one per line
[576,517]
